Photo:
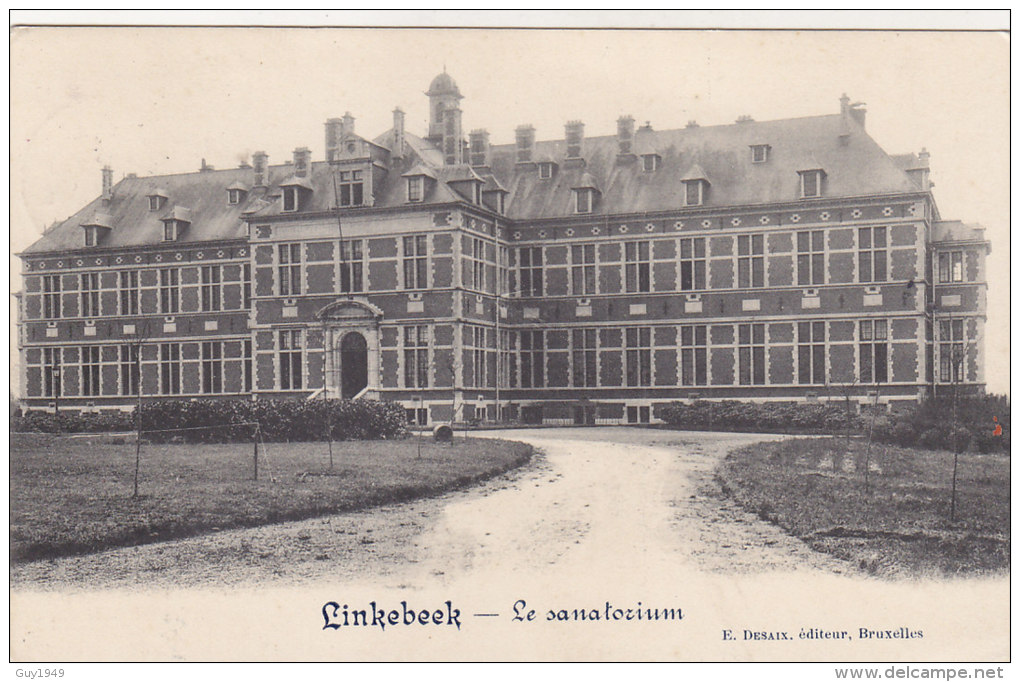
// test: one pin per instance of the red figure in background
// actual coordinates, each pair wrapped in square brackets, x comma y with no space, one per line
[998,427]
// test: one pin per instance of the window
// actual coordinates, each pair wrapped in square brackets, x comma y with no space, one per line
[582,271]
[418,416]
[128,369]
[650,163]
[351,188]
[289,269]
[638,267]
[351,266]
[51,372]
[692,264]
[693,355]
[583,200]
[530,258]
[950,267]
[639,356]
[51,297]
[416,262]
[212,367]
[234,196]
[759,153]
[750,260]
[416,356]
[91,235]
[246,286]
[532,358]
[291,198]
[476,192]
[508,359]
[545,171]
[127,284]
[246,362]
[871,254]
[169,368]
[169,291]
[951,350]
[171,230]
[584,375]
[416,188]
[476,344]
[751,353]
[476,264]
[694,192]
[811,257]
[504,270]
[811,352]
[88,294]
[811,183]
[290,359]
[874,347]
[155,202]
[211,290]
[90,384]
[638,414]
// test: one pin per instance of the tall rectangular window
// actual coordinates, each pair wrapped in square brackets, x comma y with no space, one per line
[508,362]
[950,267]
[127,284]
[416,188]
[531,270]
[693,355]
[582,270]
[211,289]
[951,350]
[88,294]
[290,198]
[504,269]
[871,254]
[584,358]
[416,262]
[128,357]
[247,361]
[692,264]
[90,381]
[169,291]
[811,183]
[289,269]
[475,257]
[351,266]
[352,188]
[51,297]
[416,356]
[811,352]
[290,350]
[169,368]
[476,343]
[811,257]
[51,379]
[750,260]
[639,356]
[638,267]
[874,351]
[532,342]
[212,367]
[246,286]
[751,353]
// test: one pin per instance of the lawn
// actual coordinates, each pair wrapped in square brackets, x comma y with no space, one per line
[815,489]
[74,495]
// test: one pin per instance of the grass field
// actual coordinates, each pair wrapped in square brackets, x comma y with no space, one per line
[814,488]
[74,495]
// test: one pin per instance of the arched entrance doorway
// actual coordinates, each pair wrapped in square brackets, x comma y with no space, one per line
[353,364]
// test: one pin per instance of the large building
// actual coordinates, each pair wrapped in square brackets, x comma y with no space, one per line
[578,279]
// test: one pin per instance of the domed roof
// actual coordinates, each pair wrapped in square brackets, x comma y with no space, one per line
[443,84]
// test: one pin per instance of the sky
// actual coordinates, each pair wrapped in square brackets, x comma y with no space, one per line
[160,100]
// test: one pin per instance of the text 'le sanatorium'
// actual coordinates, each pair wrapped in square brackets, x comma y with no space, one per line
[338,615]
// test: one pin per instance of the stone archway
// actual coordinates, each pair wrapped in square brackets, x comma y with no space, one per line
[351,328]
[353,364]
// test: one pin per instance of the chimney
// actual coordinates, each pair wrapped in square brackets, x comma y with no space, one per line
[398,134]
[921,171]
[452,136]
[575,137]
[107,183]
[745,118]
[347,125]
[260,168]
[479,145]
[625,135]
[302,159]
[692,124]
[333,128]
[525,136]
[205,168]
[856,111]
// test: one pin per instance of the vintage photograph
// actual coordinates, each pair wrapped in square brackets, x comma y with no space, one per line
[490,344]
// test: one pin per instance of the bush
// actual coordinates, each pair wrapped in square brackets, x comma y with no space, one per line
[783,417]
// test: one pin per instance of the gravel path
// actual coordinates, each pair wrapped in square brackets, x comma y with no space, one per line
[634,502]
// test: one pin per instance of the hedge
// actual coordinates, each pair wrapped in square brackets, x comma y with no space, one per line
[278,420]
[781,417]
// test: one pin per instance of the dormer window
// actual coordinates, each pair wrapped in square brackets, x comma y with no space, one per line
[352,188]
[171,230]
[545,170]
[157,200]
[811,183]
[235,196]
[650,162]
[583,199]
[416,188]
[695,192]
[291,198]
[476,192]
[91,235]
[759,153]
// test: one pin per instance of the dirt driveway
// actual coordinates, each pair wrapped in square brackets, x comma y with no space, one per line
[625,499]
